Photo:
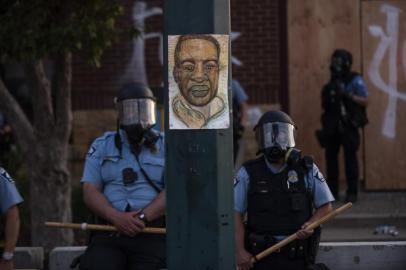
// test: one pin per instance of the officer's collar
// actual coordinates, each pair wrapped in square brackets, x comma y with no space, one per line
[273,167]
[124,139]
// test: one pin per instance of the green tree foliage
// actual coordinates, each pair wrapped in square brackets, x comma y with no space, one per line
[34,29]
[33,33]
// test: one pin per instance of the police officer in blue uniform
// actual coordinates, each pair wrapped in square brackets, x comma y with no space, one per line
[278,193]
[123,184]
[344,101]
[9,199]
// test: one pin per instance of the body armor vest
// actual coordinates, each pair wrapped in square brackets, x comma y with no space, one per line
[278,203]
[338,109]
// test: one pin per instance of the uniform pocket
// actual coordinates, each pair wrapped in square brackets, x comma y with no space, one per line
[262,198]
[110,169]
[154,167]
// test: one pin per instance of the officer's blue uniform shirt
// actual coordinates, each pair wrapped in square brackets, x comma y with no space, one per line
[104,167]
[9,195]
[357,87]
[314,181]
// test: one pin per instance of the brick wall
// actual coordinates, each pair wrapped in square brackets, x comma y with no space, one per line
[258,48]
[93,88]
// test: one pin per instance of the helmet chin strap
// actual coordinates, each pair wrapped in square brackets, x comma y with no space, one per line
[287,155]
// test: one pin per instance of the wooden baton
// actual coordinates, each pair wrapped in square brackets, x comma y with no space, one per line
[293,237]
[97,227]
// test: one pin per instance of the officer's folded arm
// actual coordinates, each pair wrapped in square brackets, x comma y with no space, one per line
[320,212]
[156,208]
[125,222]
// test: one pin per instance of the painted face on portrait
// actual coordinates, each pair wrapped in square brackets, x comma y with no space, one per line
[197,71]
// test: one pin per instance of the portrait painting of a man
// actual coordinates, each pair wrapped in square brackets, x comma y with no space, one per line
[198,73]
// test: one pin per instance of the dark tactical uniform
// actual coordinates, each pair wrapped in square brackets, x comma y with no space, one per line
[279,199]
[276,209]
[340,120]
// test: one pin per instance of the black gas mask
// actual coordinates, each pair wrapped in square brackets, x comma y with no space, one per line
[134,133]
[137,136]
[341,62]
[137,114]
[275,139]
[274,154]
[136,118]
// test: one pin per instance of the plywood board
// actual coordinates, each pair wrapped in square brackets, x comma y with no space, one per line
[384,64]
[315,29]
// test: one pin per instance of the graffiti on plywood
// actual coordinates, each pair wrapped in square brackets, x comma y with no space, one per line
[389,42]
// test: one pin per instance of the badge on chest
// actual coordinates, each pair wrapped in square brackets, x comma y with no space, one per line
[129,176]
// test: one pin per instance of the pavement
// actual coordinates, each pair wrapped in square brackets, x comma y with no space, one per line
[371,210]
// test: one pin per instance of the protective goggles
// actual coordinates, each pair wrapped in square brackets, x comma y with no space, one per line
[137,111]
[275,134]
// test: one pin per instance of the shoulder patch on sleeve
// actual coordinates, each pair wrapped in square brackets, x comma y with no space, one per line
[91,151]
[236,181]
[98,144]
[6,175]
[319,176]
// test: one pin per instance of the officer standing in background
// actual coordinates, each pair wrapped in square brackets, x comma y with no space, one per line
[9,199]
[123,185]
[344,101]
[278,191]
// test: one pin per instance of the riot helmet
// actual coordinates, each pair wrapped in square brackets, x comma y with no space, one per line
[274,135]
[341,62]
[136,107]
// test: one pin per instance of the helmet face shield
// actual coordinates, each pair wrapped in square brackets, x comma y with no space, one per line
[137,111]
[275,134]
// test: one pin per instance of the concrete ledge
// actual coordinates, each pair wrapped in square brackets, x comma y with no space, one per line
[363,255]
[336,255]
[29,258]
[60,258]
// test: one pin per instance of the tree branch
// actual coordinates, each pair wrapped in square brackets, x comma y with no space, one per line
[22,127]
[63,106]
[41,97]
